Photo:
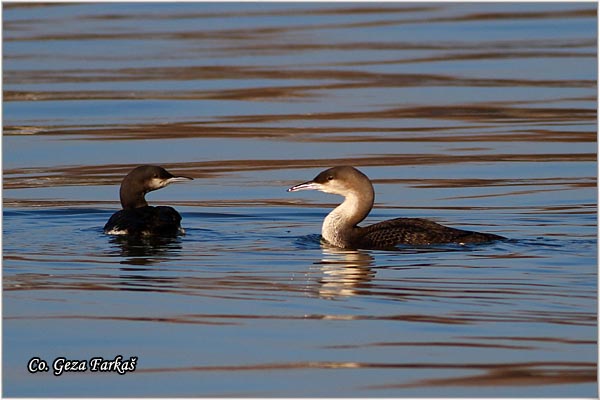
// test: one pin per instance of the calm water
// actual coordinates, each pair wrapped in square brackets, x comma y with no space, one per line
[479,116]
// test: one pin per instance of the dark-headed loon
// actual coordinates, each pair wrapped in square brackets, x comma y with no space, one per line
[137,217]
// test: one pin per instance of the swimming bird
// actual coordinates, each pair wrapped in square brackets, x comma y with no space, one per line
[137,217]
[340,227]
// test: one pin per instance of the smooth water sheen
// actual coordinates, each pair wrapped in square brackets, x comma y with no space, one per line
[478,116]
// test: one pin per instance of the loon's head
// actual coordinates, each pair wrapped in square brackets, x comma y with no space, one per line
[144,179]
[343,180]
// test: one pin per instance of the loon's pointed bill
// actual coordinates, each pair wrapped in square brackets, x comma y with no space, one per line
[310,185]
[179,179]
[162,181]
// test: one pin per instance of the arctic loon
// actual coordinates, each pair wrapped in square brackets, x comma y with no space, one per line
[137,217]
[340,227]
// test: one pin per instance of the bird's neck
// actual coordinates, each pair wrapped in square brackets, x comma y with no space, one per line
[340,226]
[133,197]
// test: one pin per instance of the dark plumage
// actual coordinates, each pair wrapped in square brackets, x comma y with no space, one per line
[148,220]
[137,217]
[417,231]
[340,227]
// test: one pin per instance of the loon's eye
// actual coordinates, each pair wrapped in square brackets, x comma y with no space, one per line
[330,178]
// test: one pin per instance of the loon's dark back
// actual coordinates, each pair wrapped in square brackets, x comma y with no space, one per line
[145,221]
[417,231]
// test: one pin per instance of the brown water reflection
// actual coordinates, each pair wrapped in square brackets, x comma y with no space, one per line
[513,375]
[335,134]
[112,174]
[356,80]
[255,33]
[459,319]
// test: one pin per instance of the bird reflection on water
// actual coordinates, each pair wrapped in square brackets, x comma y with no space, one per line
[146,250]
[344,272]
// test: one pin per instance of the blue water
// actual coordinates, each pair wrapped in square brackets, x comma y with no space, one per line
[459,113]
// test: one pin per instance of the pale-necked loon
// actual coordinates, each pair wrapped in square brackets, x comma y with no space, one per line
[340,226]
[137,217]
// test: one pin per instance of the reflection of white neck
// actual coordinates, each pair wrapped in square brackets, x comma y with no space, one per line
[340,226]
[344,271]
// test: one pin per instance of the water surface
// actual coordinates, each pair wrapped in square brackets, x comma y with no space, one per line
[478,116]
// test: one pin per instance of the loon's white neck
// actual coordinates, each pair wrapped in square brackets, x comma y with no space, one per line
[340,226]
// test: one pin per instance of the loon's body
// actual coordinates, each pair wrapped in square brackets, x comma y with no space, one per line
[137,217]
[340,227]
